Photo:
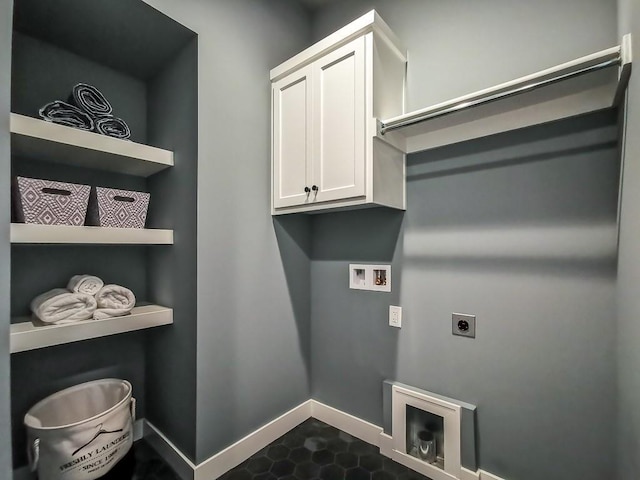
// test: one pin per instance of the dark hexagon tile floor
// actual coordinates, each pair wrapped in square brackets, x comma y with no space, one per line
[141,463]
[311,451]
[317,451]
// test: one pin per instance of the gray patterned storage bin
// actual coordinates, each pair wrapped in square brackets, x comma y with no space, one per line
[50,203]
[109,207]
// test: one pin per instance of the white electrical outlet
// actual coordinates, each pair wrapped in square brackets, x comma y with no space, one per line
[395,316]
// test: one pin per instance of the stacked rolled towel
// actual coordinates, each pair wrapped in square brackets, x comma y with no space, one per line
[60,306]
[88,109]
[87,284]
[86,297]
[114,301]
[66,114]
[91,100]
[112,127]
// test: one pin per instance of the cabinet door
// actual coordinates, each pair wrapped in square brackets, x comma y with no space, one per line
[292,139]
[339,123]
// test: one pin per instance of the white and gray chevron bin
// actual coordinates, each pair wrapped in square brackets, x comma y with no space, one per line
[81,432]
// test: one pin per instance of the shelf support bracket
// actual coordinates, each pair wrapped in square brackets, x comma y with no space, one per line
[626,58]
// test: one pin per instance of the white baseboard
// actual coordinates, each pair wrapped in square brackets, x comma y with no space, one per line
[489,476]
[479,475]
[241,450]
[138,429]
[385,442]
[374,435]
[171,454]
[361,429]
[237,453]
[469,475]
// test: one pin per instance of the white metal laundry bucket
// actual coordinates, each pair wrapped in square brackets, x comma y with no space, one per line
[81,432]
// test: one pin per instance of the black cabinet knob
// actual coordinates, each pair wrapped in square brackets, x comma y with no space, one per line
[314,188]
[306,190]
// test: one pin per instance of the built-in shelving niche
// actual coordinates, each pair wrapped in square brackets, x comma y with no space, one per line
[146,65]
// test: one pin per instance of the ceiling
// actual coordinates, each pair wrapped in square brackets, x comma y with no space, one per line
[316,3]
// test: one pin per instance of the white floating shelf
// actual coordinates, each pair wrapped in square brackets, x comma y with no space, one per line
[62,234]
[26,336]
[574,88]
[34,138]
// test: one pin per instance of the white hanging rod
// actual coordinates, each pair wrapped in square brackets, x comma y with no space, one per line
[619,55]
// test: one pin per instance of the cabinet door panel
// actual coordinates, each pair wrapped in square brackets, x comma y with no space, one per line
[291,139]
[339,123]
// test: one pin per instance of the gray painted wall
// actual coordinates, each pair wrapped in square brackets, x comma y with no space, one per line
[64,69]
[5,248]
[251,340]
[628,458]
[171,352]
[460,46]
[120,34]
[518,229]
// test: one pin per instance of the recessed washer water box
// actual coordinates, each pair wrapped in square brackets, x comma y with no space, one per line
[370,277]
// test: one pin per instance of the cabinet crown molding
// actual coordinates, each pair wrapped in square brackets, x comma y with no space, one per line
[369,22]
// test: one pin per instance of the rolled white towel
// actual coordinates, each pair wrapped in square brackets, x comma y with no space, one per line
[87,284]
[114,301]
[60,306]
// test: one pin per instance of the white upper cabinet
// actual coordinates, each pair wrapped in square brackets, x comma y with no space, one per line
[291,138]
[326,102]
[339,116]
